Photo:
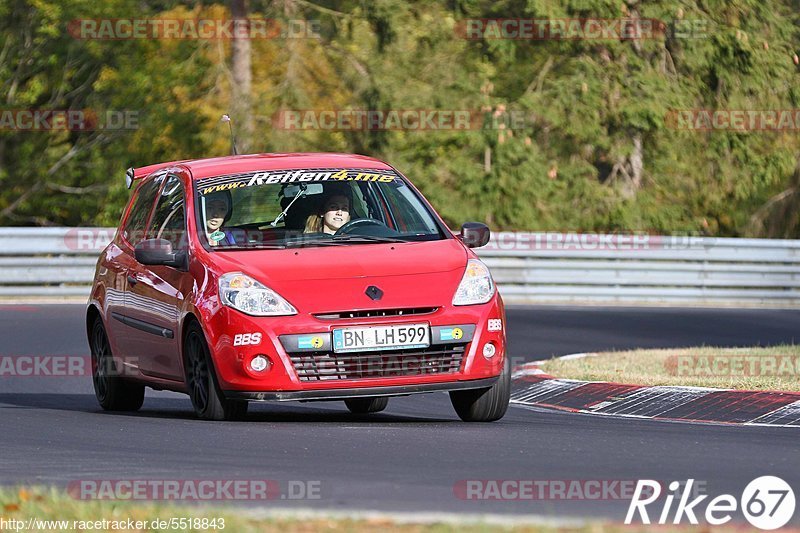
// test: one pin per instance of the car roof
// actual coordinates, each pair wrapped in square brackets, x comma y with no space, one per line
[235,164]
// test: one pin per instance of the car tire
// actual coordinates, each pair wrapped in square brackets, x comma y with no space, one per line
[363,406]
[484,405]
[201,381]
[113,393]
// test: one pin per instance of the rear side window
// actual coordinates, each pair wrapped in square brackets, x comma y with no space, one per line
[168,221]
[137,219]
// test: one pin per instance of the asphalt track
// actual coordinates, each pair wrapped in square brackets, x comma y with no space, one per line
[410,457]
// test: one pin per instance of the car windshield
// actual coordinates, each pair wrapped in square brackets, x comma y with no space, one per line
[311,207]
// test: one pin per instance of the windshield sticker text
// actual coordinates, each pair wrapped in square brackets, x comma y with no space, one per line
[227,183]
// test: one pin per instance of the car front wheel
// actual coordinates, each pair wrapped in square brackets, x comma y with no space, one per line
[484,405]
[207,399]
[112,391]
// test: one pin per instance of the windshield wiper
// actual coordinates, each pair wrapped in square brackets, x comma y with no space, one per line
[366,238]
[254,246]
[312,242]
[340,240]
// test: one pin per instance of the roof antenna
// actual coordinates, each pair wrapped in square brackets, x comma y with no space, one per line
[227,118]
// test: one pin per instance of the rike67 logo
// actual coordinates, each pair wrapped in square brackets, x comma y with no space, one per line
[767,502]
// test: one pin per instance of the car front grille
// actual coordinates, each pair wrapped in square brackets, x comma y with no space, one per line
[322,366]
[370,313]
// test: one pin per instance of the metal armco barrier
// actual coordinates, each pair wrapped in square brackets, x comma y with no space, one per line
[528,267]
[637,268]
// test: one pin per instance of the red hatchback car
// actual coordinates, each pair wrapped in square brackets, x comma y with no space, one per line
[304,277]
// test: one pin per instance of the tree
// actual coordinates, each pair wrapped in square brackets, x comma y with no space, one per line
[596,148]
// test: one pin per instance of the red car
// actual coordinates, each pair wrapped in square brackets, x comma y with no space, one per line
[304,277]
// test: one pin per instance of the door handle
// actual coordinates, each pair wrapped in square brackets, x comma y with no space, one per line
[132,280]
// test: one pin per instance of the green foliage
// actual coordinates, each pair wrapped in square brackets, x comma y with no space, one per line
[566,121]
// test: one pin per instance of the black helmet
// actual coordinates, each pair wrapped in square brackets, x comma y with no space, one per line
[226,197]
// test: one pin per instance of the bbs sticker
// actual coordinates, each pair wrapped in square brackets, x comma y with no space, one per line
[247,339]
[495,324]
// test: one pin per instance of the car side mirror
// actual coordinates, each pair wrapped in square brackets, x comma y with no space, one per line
[160,252]
[475,234]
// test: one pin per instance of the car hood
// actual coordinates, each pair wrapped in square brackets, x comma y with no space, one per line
[335,278]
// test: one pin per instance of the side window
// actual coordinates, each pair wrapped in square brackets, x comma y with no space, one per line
[145,196]
[169,221]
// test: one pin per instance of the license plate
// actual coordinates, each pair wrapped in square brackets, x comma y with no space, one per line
[375,338]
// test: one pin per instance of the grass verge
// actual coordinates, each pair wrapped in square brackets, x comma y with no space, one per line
[774,368]
[40,505]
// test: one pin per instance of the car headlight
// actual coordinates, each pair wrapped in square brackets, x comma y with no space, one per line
[476,287]
[242,292]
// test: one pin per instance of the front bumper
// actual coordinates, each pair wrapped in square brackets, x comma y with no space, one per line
[290,376]
[360,392]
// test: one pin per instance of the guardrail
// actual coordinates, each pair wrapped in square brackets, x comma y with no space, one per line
[535,267]
[528,267]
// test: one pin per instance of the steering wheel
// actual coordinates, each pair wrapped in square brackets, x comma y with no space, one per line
[345,229]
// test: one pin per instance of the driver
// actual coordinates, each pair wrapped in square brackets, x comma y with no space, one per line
[219,208]
[335,214]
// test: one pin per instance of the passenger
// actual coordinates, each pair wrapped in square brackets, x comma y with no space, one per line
[219,208]
[335,214]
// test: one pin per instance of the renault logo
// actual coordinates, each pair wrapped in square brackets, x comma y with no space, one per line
[374,292]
